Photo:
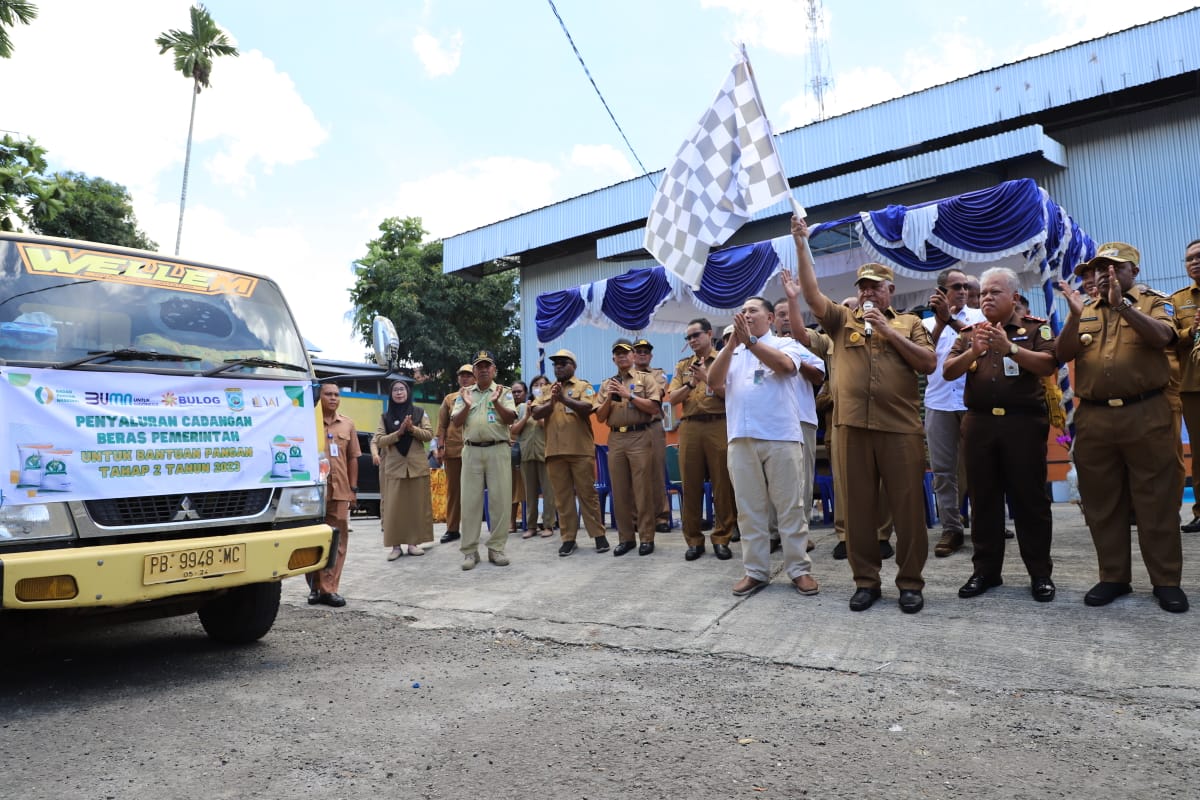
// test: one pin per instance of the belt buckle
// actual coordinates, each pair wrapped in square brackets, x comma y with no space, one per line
[1115,402]
[622,428]
[999,412]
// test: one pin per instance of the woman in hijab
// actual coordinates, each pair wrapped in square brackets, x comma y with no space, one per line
[404,473]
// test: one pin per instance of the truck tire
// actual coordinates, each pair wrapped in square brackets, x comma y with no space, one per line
[243,614]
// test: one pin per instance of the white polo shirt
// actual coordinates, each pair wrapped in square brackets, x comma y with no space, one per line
[760,404]
[940,394]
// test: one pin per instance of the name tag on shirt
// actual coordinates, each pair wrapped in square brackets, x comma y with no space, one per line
[1011,370]
[333,450]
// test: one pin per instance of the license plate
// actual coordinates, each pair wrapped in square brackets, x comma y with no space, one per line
[199,562]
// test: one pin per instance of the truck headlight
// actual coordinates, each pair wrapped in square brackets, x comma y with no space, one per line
[301,502]
[35,521]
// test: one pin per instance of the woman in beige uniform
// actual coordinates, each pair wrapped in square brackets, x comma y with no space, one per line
[404,474]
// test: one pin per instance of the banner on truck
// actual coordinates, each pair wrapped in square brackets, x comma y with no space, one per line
[91,435]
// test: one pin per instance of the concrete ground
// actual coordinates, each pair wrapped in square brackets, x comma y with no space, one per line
[662,603]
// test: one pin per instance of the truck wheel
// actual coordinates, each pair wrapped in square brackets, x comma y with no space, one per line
[243,614]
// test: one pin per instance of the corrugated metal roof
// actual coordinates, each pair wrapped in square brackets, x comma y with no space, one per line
[1030,140]
[1138,56]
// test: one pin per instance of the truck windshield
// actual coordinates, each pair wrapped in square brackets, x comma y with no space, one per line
[73,308]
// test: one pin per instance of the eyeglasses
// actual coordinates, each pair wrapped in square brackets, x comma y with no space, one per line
[958,287]
[690,336]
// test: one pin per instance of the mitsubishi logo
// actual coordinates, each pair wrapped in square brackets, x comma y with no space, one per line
[186,511]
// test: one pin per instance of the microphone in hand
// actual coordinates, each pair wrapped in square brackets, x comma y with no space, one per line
[868,329]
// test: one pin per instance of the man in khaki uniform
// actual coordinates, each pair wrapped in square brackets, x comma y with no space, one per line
[1125,451]
[1187,322]
[342,450]
[449,452]
[876,401]
[627,404]
[703,445]
[484,412]
[643,352]
[571,452]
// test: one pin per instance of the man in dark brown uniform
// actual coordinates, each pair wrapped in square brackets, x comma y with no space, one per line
[571,452]
[1124,432]
[877,354]
[627,404]
[702,445]
[1186,302]
[643,353]
[450,446]
[342,451]
[1004,432]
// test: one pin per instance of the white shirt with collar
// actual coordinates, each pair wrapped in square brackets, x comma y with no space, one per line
[940,394]
[760,404]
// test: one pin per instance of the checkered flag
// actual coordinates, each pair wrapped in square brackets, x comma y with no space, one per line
[725,171]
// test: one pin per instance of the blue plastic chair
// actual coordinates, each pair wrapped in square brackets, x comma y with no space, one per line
[931,513]
[604,485]
[824,484]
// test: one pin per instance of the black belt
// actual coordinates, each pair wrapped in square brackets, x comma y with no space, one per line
[998,411]
[631,428]
[703,417]
[1117,402]
[485,444]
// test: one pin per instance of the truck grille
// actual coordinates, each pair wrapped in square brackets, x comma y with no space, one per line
[125,511]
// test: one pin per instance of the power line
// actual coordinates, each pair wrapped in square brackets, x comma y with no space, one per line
[586,71]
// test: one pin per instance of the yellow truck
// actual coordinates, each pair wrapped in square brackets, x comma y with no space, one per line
[160,453]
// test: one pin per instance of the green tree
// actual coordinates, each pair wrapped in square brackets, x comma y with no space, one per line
[27,196]
[194,52]
[441,320]
[96,210]
[12,12]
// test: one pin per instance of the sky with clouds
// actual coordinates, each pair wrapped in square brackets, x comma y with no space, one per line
[461,112]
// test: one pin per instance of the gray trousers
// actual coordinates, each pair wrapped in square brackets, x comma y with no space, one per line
[943,433]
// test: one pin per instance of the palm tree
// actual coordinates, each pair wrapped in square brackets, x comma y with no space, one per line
[12,12]
[194,53]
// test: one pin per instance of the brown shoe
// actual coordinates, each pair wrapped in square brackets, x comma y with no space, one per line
[747,586]
[806,584]
[949,544]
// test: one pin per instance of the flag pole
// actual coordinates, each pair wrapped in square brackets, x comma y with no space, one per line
[797,209]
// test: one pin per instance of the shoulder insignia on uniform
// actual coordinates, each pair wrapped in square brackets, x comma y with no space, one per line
[1147,290]
[1044,332]
[1089,301]
[1032,318]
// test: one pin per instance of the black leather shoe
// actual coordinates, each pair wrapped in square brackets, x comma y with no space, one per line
[810,546]
[722,552]
[736,536]
[1171,598]
[1105,592]
[450,536]
[862,599]
[622,548]
[839,551]
[978,584]
[776,545]
[646,548]
[885,549]
[1191,527]
[566,549]
[1042,589]
[601,544]
[662,527]
[314,597]
[332,599]
[695,552]
[911,601]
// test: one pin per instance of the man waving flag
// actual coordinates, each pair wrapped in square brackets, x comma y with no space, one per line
[726,170]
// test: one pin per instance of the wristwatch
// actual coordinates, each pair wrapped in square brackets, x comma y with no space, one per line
[1124,305]
[753,341]
[1013,348]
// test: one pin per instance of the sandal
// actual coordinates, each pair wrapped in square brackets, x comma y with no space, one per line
[528,534]
[396,553]
[546,533]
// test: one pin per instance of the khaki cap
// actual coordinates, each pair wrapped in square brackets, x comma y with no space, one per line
[565,354]
[874,272]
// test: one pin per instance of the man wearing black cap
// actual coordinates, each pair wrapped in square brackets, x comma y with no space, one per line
[876,404]
[627,403]
[485,411]
[1125,451]
[643,353]
[449,452]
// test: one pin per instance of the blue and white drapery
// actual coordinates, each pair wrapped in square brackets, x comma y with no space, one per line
[1013,218]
